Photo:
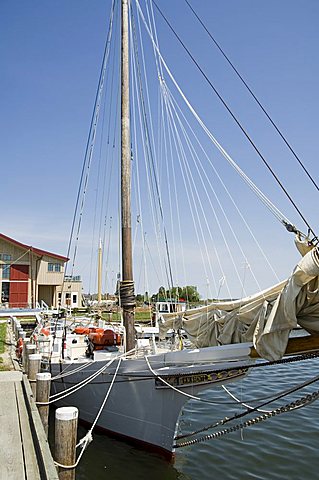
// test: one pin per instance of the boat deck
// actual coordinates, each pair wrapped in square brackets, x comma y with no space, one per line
[24,450]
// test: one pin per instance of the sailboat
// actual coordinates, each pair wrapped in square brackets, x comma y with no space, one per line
[138,393]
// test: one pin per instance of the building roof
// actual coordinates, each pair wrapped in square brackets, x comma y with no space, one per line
[35,250]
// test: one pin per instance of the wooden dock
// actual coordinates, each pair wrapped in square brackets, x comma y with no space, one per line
[24,449]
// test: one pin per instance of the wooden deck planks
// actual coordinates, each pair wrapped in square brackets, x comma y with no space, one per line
[11,453]
[30,458]
[43,446]
[24,448]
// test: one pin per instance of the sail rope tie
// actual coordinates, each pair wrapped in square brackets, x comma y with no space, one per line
[88,438]
[126,293]
[300,403]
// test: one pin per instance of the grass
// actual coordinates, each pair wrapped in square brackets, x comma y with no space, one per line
[139,316]
[2,366]
[3,331]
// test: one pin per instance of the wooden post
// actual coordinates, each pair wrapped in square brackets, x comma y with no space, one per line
[16,329]
[66,424]
[34,363]
[26,341]
[30,349]
[21,333]
[43,385]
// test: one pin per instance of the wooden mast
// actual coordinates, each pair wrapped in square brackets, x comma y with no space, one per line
[127,285]
[99,274]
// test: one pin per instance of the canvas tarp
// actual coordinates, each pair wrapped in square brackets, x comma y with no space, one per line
[266,318]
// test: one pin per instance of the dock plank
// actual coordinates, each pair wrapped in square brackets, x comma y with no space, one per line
[51,472]
[30,458]
[11,454]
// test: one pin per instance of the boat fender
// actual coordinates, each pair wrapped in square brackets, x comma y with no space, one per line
[19,348]
[45,332]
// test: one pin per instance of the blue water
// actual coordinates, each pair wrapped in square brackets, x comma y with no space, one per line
[284,447]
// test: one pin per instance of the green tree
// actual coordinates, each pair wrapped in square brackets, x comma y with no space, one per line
[188,294]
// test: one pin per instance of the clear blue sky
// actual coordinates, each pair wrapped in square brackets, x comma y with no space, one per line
[51,53]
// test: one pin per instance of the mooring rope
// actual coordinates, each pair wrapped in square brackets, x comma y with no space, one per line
[88,438]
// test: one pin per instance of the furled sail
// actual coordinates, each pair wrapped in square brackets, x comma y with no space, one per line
[265,318]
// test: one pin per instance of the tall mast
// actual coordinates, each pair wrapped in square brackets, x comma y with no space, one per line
[127,284]
[99,274]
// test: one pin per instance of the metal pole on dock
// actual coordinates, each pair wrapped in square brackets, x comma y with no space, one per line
[66,424]
[34,362]
[43,385]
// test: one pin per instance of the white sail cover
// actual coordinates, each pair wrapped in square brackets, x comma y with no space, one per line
[266,318]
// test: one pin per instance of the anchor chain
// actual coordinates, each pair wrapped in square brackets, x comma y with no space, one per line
[301,402]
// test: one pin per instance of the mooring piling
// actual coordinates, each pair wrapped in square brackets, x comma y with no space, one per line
[34,362]
[43,384]
[66,423]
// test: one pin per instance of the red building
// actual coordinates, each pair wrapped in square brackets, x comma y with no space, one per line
[29,275]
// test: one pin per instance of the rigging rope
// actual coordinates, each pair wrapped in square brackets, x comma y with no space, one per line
[175,106]
[254,96]
[276,212]
[237,122]
[149,150]
[90,141]
[154,212]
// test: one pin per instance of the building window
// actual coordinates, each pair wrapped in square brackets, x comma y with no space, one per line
[6,272]
[5,292]
[54,267]
[5,257]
